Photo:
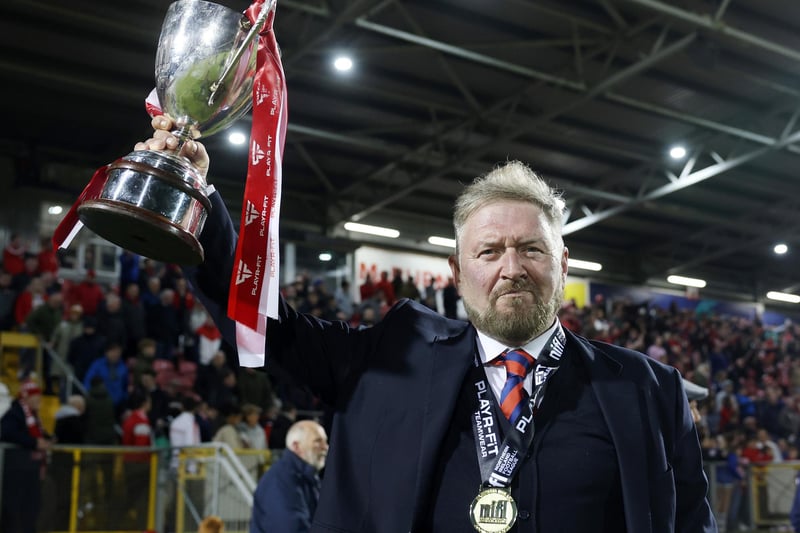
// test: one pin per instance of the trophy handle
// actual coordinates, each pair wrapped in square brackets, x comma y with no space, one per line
[233,59]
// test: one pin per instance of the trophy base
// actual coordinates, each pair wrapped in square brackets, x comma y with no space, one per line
[141,231]
[152,204]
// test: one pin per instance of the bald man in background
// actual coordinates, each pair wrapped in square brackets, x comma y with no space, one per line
[287,494]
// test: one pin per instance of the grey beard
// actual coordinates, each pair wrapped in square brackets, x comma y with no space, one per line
[516,327]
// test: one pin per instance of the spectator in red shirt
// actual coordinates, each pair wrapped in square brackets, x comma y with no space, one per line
[48,261]
[755,452]
[89,294]
[137,431]
[14,255]
[568,315]
[728,414]
[367,289]
[33,296]
[385,285]
[30,270]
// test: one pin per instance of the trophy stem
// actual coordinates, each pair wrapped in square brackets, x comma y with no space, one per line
[183,133]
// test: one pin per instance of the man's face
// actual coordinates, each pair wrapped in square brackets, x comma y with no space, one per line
[154,284]
[75,313]
[148,381]
[132,291]
[510,270]
[114,354]
[113,303]
[313,449]
[34,401]
[56,301]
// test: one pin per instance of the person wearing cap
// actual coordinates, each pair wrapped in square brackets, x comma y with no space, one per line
[23,464]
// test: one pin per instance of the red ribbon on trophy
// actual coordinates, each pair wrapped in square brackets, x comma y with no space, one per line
[70,225]
[254,286]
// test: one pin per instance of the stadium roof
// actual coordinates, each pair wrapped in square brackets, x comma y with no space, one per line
[590,93]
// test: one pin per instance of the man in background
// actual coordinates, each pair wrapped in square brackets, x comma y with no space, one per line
[137,431]
[23,464]
[286,496]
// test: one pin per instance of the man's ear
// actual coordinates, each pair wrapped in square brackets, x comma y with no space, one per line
[454,268]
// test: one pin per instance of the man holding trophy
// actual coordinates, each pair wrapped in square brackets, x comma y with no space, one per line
[507,422]
[602,439]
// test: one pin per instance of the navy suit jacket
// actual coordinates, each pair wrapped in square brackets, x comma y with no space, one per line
[394,388]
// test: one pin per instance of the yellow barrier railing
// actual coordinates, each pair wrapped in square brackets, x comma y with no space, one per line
[215,479]
[114,489]
[107,486]
[772,492]
[14,341]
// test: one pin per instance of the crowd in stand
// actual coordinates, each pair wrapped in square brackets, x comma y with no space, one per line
[752,414]
[146,351]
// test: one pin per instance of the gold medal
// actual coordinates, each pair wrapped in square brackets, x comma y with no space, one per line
[493,511]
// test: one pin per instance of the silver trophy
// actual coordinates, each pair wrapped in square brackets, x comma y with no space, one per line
[154,203]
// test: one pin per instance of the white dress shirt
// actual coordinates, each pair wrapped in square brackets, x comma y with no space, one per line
[489,349]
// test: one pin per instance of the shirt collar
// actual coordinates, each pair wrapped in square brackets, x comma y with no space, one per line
[489,348]
[300,465]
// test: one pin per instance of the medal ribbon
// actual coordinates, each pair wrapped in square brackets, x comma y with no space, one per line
[500,461]
[253,294]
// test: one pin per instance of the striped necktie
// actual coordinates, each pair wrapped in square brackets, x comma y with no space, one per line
[513,396]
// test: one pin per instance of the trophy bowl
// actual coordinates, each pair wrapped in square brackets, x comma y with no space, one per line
[154,203]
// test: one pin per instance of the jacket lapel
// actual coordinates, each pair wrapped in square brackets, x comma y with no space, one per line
[619,401]
[449,364]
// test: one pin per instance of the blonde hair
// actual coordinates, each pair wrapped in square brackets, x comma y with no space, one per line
[512,181]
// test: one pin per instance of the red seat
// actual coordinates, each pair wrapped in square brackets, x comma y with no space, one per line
[161,365]
[166,376]
[187,367]
[183,383]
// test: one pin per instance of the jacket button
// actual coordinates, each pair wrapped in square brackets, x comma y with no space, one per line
[524,515]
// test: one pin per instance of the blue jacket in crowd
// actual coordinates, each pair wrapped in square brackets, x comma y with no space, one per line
[115,378]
